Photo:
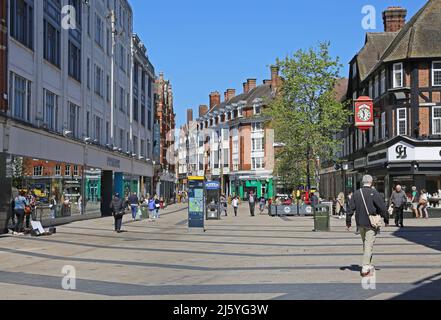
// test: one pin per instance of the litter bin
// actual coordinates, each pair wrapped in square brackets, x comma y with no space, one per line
[144,211]
[322,218]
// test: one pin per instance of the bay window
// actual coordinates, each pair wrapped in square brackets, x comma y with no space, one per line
[398,75]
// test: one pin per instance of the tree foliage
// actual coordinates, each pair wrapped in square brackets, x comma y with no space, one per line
[306,114]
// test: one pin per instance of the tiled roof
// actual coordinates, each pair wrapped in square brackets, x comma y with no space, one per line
[263,92]
[419,38]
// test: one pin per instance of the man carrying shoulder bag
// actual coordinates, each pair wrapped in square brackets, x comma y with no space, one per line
[369,209]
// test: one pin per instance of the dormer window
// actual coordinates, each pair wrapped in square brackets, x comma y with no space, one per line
[257,106]
[398,75]
[240,109]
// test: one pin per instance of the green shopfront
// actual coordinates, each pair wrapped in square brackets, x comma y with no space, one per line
[260,186]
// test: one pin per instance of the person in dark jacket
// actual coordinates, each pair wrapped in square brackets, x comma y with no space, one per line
[118,207]
[134,202]
[375,206]
[398,200]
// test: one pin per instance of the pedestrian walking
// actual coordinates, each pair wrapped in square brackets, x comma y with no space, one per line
[398,199]
[224,205]
[415,202]
[235,203]
[262,204]
[157,207]
[133,202]
[152,209]
[422,206]
[368,207]
[118,206]
[340,206]
[252,203]
[53,207]
[20,205]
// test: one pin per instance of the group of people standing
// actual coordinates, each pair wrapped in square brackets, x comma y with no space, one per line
[118,207]
[235,201]
[22,208]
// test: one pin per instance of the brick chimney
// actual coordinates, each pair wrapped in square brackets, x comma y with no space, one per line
[267,82]
[189,116]
[394,19]
[274,77]
[203,109]
[215,99]
[245,87]
[230,94]
[252,84]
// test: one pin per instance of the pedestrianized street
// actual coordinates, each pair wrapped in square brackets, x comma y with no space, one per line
[236,258]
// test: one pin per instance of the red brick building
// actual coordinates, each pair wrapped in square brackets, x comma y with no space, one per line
[164,144]
[3,55]
[400,69]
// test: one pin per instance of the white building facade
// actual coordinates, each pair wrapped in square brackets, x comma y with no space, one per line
[81,94]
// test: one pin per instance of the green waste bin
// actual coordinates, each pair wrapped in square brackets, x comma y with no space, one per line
[322,218]
[145,212]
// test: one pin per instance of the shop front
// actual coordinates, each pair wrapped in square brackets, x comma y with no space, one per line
[402,161]
[65,177]
[244,185]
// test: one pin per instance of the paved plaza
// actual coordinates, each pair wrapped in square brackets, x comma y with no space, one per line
[236,258]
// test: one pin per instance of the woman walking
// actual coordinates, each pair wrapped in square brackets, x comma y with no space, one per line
[20,204]
[235,203]
[340,205]
[423,203]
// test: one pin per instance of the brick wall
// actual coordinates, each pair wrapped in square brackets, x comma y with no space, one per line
[424,74]
[425,120]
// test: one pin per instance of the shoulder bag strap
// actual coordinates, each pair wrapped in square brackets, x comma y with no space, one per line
[364,201]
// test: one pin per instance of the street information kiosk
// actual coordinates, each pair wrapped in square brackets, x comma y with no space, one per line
[196,207]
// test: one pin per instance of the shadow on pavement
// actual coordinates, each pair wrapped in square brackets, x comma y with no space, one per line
[430,237]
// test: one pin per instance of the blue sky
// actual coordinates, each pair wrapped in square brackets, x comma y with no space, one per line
[209,45]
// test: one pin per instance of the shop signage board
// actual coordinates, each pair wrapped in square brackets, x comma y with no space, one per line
[360,163]
[377,157]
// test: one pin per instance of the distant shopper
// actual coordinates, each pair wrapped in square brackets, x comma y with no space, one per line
[422,206]
[53,207]
[415,202]
[315,200]
[262,204]
[398,200]
[224,205]
[118,206]
[252,203]
[133,201]
[157,207]
[235,203]
[366,204]
[20,205]
[340,206]
[152,209]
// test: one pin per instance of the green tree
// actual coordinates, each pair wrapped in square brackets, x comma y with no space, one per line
[306,114]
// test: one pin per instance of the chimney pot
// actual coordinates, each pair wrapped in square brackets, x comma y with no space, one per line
[252,84]
[189,116]
[245,87]
[274,76]
[231,93]
[394,19]
[203,109]
[215,99]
